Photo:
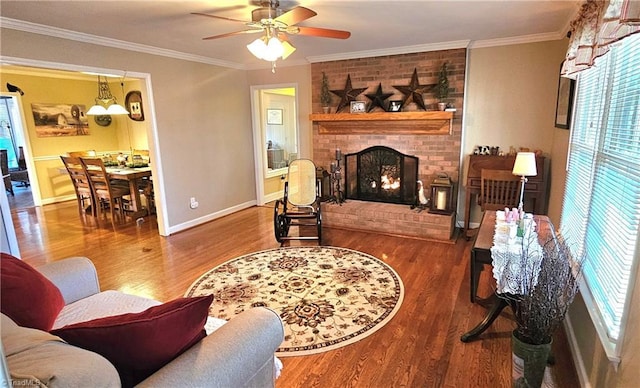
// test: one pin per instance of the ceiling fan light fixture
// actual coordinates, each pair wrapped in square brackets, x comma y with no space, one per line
[270,51]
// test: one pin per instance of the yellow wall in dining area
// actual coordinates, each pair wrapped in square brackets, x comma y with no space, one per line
[54,183]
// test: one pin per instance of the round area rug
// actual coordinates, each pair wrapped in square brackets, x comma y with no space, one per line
[327,297]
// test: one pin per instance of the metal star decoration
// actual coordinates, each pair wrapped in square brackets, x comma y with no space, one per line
[377,99]
[414,91]
[347,94]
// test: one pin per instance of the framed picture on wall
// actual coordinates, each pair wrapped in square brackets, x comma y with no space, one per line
[564,102]
[133,102]
[274,116]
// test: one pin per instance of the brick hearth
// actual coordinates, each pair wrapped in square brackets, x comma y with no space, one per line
[388,218]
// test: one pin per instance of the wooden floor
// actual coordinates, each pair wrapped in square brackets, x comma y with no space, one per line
[419,347]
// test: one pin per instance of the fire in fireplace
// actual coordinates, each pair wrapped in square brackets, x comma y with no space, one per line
[381,174]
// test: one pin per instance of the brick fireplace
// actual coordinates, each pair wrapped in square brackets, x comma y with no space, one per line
[438,151]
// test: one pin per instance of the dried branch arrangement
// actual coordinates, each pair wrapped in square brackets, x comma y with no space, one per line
[547,295]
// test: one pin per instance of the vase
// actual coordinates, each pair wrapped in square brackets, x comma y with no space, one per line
[442,106]
[529,363]
[325,109]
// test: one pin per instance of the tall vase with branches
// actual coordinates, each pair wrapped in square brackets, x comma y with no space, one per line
[548,282]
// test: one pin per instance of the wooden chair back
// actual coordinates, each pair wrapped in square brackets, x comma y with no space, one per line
[81,154]
[498,189]
[81,184]
[108,196]
[4,167]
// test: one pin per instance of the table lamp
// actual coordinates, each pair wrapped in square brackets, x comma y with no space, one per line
[525,165]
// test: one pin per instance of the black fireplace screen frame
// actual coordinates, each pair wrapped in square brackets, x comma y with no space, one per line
[364,170]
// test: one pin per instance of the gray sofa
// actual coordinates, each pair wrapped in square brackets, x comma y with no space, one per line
[240,353]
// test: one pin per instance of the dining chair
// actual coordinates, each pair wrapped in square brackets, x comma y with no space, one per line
[4,166]
[108,196]
[145,185]
[81,184]
[498,189]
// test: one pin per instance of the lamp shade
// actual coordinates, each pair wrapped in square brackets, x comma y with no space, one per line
[97,110]
[115,109]
[525,164]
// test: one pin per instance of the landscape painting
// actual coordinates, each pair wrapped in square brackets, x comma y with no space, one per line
[60,119]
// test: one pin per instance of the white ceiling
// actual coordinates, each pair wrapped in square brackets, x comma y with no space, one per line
[377,27]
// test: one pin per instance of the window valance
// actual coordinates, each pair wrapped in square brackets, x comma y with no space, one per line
[599,24]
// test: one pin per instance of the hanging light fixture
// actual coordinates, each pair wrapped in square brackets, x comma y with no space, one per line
[106,103]
[270,47]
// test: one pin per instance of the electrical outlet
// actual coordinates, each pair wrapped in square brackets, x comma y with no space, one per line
[193,204]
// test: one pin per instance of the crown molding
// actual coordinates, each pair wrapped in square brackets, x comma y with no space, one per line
[41,29]
[35,28]
[391,51]
[517,40]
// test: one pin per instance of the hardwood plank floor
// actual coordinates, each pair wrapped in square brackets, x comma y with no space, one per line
[419,347]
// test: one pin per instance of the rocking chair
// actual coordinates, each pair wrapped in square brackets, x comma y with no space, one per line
[300,205]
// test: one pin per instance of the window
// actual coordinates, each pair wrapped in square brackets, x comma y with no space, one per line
[601,208]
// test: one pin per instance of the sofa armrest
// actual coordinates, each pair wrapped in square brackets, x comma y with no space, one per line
[76,277]
[238,354]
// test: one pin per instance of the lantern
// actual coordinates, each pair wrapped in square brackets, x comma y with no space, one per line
[441,195]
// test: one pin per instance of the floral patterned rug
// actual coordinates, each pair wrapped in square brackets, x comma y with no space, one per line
[327,297]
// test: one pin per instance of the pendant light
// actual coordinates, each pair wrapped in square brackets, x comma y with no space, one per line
[106,103]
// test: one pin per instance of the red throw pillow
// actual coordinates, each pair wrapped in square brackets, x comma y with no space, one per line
[138,344]
[27,296]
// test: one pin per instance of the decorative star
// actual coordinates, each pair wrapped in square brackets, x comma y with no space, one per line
[347,94]
[414,91]
[377,99]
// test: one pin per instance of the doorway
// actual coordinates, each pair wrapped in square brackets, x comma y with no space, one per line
[276,137]
[50,157]
[13,140]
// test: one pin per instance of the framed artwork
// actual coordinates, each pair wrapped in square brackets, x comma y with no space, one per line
[395,105]
[53,120]
[564,102]
[274,116]
[133,102]
[358,106]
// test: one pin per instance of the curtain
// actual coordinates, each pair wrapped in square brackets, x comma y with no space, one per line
[599,24]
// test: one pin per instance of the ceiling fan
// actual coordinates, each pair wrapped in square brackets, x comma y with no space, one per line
[276,23]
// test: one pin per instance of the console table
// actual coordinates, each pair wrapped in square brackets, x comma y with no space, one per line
[535,191]
[481,255]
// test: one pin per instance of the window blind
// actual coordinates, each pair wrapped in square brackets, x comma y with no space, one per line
[601,206]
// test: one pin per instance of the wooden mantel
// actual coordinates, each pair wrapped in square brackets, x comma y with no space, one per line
[402,123]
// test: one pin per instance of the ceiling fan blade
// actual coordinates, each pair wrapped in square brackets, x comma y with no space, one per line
[295,16]
[218,17]
[321,32]
[232,34]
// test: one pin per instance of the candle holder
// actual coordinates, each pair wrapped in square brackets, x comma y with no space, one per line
[336,193]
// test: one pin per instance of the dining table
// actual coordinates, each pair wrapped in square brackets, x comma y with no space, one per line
[132,175]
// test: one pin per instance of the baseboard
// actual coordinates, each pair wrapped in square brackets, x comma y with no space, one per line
[575,353]
[210,217]
[50,200]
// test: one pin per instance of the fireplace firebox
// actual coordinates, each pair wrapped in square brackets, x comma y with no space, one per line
[381,174]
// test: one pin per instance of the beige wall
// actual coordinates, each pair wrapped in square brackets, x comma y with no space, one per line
[202,118]
[510,102]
